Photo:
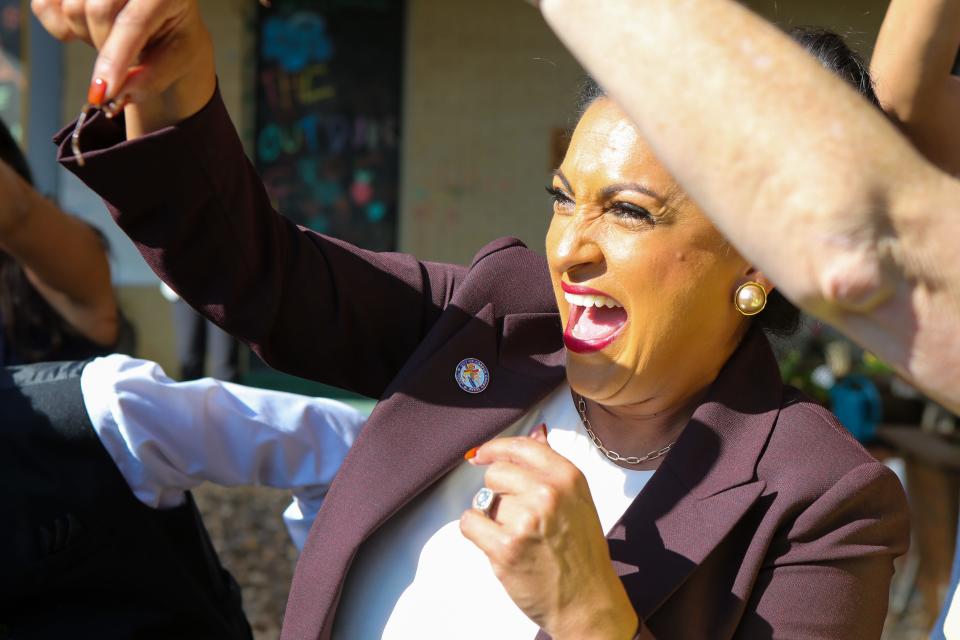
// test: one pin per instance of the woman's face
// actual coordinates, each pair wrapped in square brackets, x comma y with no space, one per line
[664,322]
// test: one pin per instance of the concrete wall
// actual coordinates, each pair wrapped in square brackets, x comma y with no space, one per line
[485,86]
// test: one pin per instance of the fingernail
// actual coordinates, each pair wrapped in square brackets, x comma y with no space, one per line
[539,430]
[470,455]
[97,92]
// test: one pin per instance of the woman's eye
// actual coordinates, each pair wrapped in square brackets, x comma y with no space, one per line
[559,198]
[632,212]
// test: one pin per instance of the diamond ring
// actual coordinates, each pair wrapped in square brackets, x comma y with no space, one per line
[484,500]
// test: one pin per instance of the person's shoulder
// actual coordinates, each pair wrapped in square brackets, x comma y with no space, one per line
[810,450]
[831,497]
[513,277]
[505,249]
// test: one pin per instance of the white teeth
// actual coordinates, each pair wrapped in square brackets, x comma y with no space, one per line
[590,301]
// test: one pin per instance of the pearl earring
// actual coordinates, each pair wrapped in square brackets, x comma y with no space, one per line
[750,299]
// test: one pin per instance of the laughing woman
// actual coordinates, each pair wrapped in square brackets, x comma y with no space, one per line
[673,487]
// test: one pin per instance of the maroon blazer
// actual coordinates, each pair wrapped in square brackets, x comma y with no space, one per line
[766,519]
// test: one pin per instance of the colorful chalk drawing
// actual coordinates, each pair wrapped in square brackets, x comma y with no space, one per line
[12,80]
[295,41]
[328,115]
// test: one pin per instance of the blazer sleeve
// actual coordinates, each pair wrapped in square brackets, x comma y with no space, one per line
[828,576]
[307,304]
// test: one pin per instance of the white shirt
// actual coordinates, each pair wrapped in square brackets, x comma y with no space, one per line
[951,626]
[418,577]
[167,437]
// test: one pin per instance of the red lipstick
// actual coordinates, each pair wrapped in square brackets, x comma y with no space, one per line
[579,289]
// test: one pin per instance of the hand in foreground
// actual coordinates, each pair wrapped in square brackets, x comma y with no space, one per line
[154,53]
[545,543]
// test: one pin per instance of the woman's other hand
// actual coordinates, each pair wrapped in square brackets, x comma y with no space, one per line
[155,55]
[545,543]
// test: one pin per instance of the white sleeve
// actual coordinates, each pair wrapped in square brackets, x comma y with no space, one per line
[167,436]
[299,516]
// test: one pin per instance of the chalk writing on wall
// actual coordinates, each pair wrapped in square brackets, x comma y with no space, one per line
[12,81]
[328,115]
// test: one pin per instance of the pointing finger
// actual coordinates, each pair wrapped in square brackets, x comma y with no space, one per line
[50,15]
[101,14]
[73,12]
[137,24]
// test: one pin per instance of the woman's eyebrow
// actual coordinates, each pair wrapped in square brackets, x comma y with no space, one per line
[613,189]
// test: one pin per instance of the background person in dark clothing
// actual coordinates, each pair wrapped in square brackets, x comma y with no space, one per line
[80,556]
[123,552]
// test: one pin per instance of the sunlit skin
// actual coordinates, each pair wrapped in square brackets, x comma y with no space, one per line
[621,225]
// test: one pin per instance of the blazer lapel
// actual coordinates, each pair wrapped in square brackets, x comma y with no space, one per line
[402,457]
[706,485]
[665,535]
[668,533]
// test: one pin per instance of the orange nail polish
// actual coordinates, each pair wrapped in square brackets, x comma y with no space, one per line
[97,92]
[470,455]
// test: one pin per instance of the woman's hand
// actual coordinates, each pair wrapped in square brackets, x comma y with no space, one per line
[154,54]
[545,543]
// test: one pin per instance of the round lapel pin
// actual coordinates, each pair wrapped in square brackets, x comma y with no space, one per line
[472,375]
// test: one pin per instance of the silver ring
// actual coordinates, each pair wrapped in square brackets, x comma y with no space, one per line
[484,500]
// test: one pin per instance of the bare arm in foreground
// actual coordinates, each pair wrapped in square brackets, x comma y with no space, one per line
[807,180]
[912,66]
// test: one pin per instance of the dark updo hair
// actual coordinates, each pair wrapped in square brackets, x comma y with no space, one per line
[781,317]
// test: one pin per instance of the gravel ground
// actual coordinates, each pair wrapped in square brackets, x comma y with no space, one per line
[247,531]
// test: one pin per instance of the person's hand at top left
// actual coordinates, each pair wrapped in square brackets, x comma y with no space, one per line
[155,55]
[545,543]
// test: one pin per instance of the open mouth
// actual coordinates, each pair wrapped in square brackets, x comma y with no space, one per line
[595,319]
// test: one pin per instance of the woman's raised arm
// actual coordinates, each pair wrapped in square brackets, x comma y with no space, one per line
[189,198]
[912,67]
[309,305]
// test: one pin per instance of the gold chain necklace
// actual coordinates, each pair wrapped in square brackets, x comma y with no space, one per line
[613,455]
